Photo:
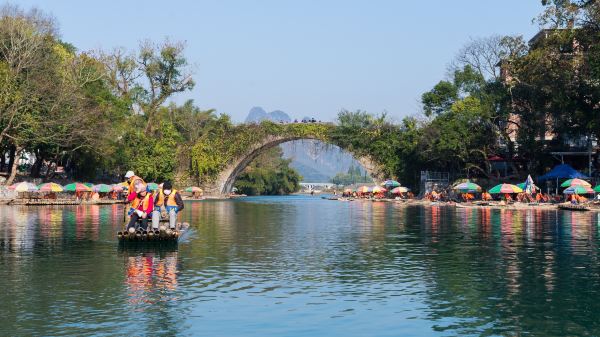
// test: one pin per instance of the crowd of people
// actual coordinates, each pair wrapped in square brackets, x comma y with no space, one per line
[146,205]
[377,195]
[536,197]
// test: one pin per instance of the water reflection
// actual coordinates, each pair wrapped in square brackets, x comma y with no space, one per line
[302,266]
[150,272]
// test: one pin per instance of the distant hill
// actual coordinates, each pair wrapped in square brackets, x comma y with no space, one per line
[314,160]
[258,114]
[309,174]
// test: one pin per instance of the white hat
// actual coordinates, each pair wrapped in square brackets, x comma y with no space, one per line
[129,174]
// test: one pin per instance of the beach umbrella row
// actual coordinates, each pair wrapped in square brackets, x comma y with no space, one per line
[73,187]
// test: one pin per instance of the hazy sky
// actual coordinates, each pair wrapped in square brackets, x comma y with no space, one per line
[308,58]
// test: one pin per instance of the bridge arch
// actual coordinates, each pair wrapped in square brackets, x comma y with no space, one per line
[222,155]
[226,179]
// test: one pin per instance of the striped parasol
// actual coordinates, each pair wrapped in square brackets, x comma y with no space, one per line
[467,187]
[77,187]
[193,189]
[505,188]
[390,183]
[23,187]
[50,187]
[400,189]
[363,189]
[578,190]
[575,182]
[102,188]
[377,189]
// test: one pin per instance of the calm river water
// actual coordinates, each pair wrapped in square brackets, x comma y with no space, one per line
[302,266]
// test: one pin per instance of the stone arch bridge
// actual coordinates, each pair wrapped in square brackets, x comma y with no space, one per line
[225,172]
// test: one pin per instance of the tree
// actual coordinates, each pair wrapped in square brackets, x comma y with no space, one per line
[150,77]
[483,55]
[269,174]
[46,106]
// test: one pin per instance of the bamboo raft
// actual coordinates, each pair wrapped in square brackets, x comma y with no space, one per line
[163,234]
[572,207]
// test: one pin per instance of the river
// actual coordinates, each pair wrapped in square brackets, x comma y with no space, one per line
[302,266]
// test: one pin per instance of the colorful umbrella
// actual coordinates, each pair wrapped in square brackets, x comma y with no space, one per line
[467,187]
[50,187]
[505,188]
[193,189]
[118,188]
[102,188]
[575,182]
[77,187]
[363,189]
[152,186]
[90,185]
[390,183]
[377,189]
[523,186]
[400,189]
[529,185]
[578,190]
[23,187]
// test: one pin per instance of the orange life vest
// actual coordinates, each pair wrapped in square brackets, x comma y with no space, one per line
[145,202]
[170,199]
[132,183]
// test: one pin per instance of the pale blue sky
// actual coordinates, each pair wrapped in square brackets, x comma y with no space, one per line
[308,58]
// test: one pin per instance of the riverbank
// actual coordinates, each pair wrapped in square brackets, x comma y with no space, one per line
[481,205]
[58,202]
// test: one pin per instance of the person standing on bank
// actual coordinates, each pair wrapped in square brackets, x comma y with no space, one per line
[172,202]
[142,204]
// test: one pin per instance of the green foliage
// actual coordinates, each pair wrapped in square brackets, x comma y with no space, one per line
[353,176]
[153,157]
[440,98]
[269,174]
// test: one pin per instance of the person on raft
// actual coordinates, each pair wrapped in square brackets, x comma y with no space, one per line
[133,181]
[167,199]
[142,204]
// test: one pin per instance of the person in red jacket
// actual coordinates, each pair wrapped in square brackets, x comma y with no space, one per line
[142,203]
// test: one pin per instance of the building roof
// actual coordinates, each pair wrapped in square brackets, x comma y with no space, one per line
[543,34]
